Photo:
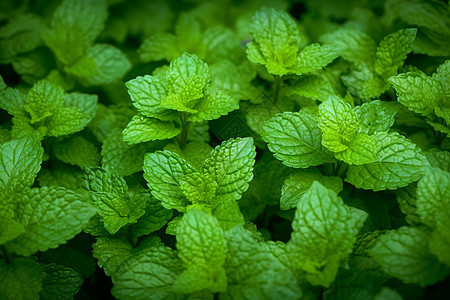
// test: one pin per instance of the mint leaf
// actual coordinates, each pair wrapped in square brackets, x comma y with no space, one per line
[299,183]
[74,27]
[144,129]
[324,233]
[60,282]
[20,279]
[231,166]
[202,248]
[154,218]
[43,98]
[254,272]
[147,93]
[338,122]
[392,51]
[163,171]
[199,188]
[37,209]
[315,57]
[212,106]
[77,151]
[296,139]
[20,162]
[403,253]
[150,273]
[375,116]
[398,162]
[13,101]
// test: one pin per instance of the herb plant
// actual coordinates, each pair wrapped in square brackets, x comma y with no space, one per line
[224,149]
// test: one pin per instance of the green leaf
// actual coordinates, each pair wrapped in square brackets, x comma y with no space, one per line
[254,272]
[398,162]
[147,93]
[19,34]
[315,57]
[85,103]
[158,47]
[109,194]
[358,46]
[43,98]
[121,158]
[202,248]
[404,254]
[339,124]
[213,106]
[392,51]
[12,100]
[2,83]
[363,82]
[111,252]
[299,182]
[295,139]
[66,120]
[275,41]
[51,216]
[324,233]
[151,273]
[361,150]
[187,78]
[163,171]
[375,116]
[438,158]
[312,86]
[199,188]
[433,202]
[20,162]
[20,279]
[75,26]
[418,92]
[60,283]
[77,151]
[154,218]
[101,64]
[228,214]
[231,166]
[143,129]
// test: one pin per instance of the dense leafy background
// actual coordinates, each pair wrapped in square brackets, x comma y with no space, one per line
[224,149]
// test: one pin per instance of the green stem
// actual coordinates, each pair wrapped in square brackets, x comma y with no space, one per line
[185,125]
[5,254]
[278,81]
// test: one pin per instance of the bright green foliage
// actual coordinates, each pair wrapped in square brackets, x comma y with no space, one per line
[224,149]
[51,216]
[397,163]
[298,183]
[157,270]
[20,279]
[202,248]
[403,253]
[296,139]
[324,233]
[110,197]
[163,171]
[426,95]
[276,45]
[254,272]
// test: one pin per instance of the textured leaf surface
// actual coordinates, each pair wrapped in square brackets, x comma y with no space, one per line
[163,171]
[254,272]
[339,124]
[398,163]
[51,216]
[231,166]
[403,253]
[315,57]
[299,182]
[212,106]
[295,139]
[144,129]
[43,98]
[148,274]
[60,283]
[324,233]
[77,151]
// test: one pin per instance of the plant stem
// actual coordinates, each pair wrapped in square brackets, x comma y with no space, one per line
[184,132]
[277,88]
[5,254]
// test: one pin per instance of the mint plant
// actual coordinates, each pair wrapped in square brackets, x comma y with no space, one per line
[224,150]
